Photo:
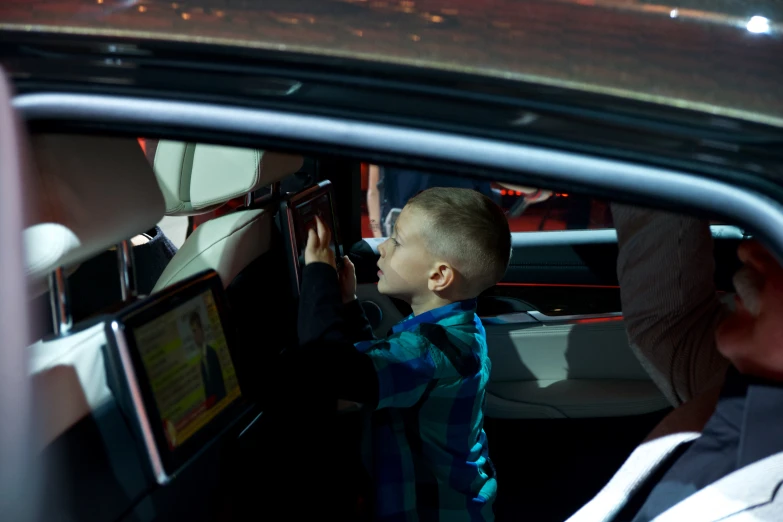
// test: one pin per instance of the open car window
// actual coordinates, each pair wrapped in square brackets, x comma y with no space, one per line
[385,191]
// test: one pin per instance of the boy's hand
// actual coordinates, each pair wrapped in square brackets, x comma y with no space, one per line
[348,281]
[318,248]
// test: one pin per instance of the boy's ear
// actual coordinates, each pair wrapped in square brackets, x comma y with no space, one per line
[441,278]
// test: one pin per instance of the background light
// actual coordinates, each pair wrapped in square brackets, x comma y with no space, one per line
[758,24]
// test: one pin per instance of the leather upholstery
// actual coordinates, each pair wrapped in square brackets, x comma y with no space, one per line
[196,178]
[89,193]
[69,380]
[45,244]
[226,244]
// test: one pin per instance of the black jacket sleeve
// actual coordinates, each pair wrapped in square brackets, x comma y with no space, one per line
[357,326]
[326,361]
[322,315]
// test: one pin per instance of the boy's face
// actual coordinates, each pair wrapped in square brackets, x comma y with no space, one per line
[405,263]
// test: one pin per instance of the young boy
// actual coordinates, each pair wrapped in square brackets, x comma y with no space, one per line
[425,382]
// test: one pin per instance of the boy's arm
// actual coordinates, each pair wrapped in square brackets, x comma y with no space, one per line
[357,326]
[326,362]
[323,316]
[394,372]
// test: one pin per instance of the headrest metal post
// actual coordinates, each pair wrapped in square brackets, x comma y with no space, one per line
[249,198]
[127,270]
[275,189]
[60,299]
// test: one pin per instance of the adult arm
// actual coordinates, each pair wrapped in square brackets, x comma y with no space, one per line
[671,309]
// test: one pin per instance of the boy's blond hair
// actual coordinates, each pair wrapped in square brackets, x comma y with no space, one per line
[470,231]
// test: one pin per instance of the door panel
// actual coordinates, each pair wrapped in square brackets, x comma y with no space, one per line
[567,369]
[569,356]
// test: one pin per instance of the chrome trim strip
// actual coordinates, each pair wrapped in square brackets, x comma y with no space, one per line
[759,211]
[250,425]
[127,270]
[60,301]
[138,404]
[513,318]
[597,236]
[543,318]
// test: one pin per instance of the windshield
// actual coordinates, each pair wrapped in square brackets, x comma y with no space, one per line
[720,57]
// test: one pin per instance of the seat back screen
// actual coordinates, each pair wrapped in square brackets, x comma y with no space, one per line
[304,219]
[188,365]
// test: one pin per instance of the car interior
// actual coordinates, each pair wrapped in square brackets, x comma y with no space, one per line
[160,160]
[114,386]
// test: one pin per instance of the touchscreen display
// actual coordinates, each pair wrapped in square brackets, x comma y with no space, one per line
[304,220]
[189,367]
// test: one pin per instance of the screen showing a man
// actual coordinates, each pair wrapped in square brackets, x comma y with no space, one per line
[211,371]
[189,367]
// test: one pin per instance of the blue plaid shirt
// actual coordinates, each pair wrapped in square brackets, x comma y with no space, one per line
[430,459]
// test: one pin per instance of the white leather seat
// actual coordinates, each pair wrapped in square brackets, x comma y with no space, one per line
[197,178]
[90,193]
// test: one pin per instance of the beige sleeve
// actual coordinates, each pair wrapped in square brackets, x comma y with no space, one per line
[670,305]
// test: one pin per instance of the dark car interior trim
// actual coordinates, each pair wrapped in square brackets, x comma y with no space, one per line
[634,183]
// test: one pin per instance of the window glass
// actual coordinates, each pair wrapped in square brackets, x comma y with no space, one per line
[387,189]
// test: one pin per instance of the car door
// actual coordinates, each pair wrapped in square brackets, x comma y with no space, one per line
[568,400]
[16,471]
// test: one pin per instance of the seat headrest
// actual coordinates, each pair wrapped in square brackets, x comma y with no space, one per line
[196,178]
[89,193]
[45,245]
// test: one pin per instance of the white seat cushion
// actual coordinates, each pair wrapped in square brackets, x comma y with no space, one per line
[69,380]
[196,178]
[101,189]
[226,244]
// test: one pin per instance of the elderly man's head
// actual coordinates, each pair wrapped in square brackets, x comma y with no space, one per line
[752,337]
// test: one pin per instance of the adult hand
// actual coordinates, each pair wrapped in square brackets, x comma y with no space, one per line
[532,195]
[752,337]
[348,281]
[318,249]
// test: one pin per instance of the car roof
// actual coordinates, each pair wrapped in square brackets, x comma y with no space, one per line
[720,58]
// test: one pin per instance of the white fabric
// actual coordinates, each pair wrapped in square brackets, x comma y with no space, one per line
[196,178]
[226,244]
[642,462]
[735,496]
[100,189]
[750,494]
[69,380]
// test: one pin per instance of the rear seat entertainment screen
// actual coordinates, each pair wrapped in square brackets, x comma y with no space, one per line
[175,371]
[300,211]
[188,366]
[304,217]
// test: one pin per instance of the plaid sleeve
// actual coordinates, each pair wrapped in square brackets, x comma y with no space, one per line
[405,366]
